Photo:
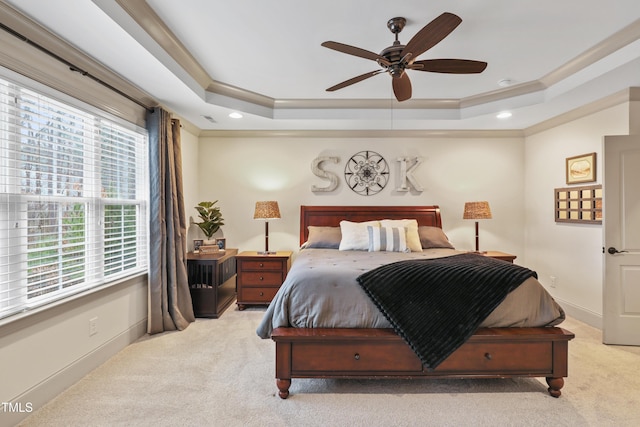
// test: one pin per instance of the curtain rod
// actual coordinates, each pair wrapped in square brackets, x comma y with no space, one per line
[72,67]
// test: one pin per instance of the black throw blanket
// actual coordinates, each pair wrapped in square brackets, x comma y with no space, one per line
[437,304]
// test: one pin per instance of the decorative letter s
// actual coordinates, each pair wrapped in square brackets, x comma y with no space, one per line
[317,171]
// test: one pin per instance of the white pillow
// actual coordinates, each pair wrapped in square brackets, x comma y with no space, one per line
[355,236]
[413,238]
[390,239]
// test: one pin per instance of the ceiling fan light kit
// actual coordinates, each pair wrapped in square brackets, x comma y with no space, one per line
[398,58]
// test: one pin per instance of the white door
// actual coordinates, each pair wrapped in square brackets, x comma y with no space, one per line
[621,218]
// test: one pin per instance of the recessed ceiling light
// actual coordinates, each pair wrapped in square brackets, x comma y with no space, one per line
[505,82]
[504,115]
[235,115]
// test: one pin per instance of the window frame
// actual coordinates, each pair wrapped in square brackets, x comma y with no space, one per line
[14,235]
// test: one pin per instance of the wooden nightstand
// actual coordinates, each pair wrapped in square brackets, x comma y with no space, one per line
[500,255]
[212,282]
[260,276]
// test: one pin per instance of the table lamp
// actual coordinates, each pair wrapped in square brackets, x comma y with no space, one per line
[266,211]
[477,210]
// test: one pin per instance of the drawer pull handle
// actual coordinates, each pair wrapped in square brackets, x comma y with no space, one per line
[261,294]
[261,265]
[356,356]
[261,278]
[488,356]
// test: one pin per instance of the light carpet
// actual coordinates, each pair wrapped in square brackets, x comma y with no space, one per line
[217,372]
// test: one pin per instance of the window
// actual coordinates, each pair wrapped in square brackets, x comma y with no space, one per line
[73,199]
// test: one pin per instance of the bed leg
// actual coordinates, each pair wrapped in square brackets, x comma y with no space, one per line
[555,384]
[283,386]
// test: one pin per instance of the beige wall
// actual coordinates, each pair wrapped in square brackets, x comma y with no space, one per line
[53,349]
[241,171]
[45,352]
[516,175]
[190,178]
[570,252]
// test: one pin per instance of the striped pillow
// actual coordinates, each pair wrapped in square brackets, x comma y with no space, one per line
[390,239]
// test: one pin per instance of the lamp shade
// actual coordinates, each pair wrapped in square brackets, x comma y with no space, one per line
[267,210]
[477,210]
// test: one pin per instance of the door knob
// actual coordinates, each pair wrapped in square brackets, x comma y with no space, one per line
[613,250]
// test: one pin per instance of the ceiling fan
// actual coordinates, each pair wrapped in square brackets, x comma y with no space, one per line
[398,58]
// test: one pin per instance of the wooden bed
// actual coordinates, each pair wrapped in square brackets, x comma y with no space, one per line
[375,353]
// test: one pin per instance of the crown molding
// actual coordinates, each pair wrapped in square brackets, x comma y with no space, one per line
[19,55]
[606,47]
[29,61]
[628,95]
[150,22]
[367,104]
[621,97]
[344,134]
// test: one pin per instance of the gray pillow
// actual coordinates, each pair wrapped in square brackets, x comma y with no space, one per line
[323,237]
[433,237]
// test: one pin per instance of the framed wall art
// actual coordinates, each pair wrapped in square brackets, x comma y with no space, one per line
[579,204]
[581,168]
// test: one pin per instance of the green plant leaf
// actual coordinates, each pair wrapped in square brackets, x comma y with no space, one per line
[211,218]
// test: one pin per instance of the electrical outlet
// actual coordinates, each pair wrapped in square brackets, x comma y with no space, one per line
[93,326]
[553,281]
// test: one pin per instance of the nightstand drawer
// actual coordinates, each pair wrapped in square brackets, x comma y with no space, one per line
[261,278]
[257,295]
[267,264]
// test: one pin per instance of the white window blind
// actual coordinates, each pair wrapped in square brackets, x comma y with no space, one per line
[73,199]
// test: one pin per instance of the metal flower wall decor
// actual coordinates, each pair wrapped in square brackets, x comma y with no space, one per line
[366,173]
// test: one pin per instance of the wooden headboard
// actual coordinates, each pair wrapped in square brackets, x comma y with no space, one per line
[330,216]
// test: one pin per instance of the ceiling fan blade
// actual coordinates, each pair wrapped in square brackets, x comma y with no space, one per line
[402,87]
[450,66]
[431,34]
[354,80]
[355,51]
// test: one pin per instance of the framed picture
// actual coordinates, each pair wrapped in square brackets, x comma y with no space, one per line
[197,244]
[581,168]
[222,243]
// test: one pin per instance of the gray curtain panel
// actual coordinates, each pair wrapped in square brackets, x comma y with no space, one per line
[170,305]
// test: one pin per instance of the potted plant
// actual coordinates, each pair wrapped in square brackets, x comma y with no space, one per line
[211,218]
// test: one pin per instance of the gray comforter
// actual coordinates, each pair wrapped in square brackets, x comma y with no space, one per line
[321,291]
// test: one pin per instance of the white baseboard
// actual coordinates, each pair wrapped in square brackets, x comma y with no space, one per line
[39,395]
[582,314]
